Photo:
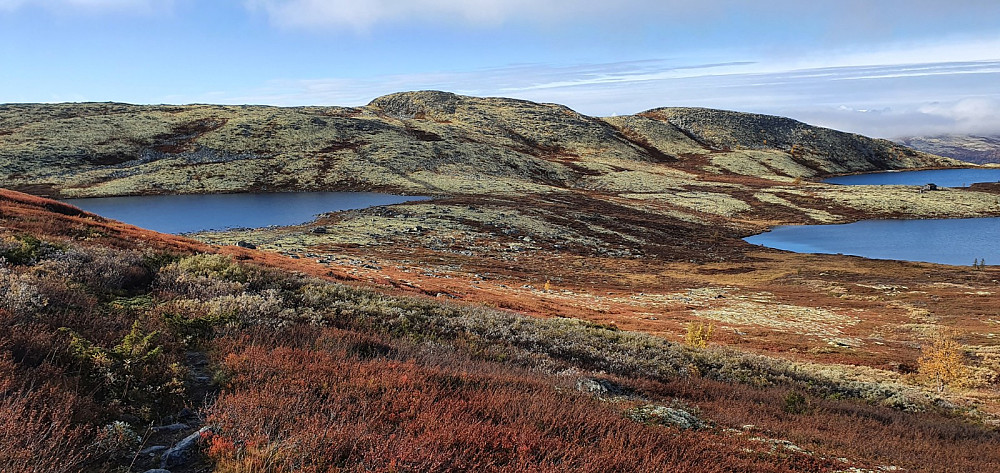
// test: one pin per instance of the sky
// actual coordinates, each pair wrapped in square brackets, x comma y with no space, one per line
[884,68]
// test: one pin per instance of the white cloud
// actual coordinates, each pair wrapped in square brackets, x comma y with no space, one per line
[90,6]
[876,100]
[11,4]
[844,18]
[966,116]
[361,15]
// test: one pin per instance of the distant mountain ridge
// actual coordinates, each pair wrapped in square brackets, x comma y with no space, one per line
[979,149]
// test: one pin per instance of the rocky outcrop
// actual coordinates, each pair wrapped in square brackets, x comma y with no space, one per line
[822,149]
[424,104]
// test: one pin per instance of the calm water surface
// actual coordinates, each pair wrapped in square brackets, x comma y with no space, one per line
[192,213]
[941,177]
[945,241]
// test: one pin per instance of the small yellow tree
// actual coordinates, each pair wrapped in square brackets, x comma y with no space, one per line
[698,334]
[941,362]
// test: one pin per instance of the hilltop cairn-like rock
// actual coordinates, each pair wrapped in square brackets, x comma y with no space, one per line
[422,104]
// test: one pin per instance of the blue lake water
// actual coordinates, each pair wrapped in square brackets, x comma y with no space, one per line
[192,213]
[945,241]
[941,177]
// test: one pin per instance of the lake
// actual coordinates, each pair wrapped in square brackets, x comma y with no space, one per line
[945,241]
[941,177]
[192,213]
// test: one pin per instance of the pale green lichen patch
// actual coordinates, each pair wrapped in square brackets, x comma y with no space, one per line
[760,309]
[636,181]
[771,164]
[815,214]
[704,202]
[909,201]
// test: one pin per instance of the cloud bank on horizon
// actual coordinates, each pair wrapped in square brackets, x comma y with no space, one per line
[889,68]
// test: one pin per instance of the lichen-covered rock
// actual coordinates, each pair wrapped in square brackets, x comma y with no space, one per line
[598,386]
[669,416]
[427,103]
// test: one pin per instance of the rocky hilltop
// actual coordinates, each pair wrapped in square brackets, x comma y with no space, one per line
[415,142]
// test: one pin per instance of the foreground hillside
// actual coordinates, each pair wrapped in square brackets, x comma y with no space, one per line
[114,342]
[530,317]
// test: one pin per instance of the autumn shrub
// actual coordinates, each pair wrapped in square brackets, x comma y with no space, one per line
[302,399]
[38,432]
[698,334]
[942,363]
[24,249]
[75,358]
[869,434]
[795,403]
[133,374]
[579,343]
[102,270]
[19,293]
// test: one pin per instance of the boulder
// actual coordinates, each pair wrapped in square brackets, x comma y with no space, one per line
[669,416]
[597,386]
[183,451]
[154,450]
[170,428]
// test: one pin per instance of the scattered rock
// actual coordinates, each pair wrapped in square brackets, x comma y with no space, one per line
[170,428]
[319,230]
[601,387]
[670,416]
[181,453]
[152,451]
[246,244]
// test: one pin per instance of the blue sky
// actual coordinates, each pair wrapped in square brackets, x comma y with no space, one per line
[879,67]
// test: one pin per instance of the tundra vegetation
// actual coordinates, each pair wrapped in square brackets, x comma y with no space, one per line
[531,317]
[308,374]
